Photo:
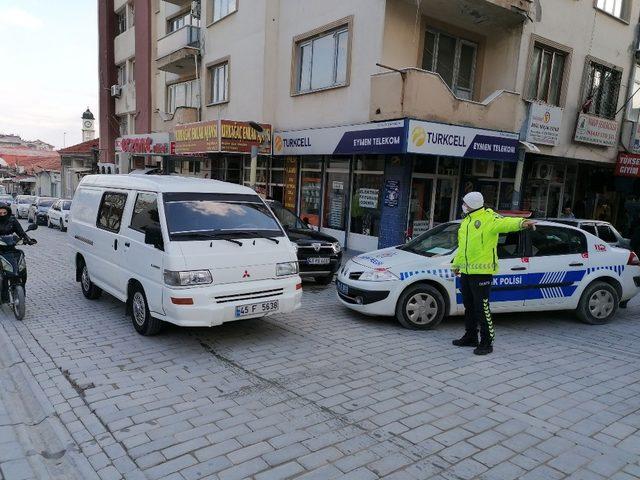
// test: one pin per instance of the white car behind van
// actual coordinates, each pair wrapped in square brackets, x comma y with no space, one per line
[191,252]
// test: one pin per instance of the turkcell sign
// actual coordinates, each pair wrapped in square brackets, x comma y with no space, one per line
[373,138]
[430,138]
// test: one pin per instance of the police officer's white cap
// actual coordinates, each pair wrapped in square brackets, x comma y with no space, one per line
[474,200]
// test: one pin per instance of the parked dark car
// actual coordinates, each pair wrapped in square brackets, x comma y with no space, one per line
[603,230]
[319,255]
[39,210]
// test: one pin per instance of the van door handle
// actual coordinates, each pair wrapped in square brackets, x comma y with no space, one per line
[127,244]
[577,264]
[115,244]
[518,269]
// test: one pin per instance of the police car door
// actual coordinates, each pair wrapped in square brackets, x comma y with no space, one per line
[508,290]
[556,265]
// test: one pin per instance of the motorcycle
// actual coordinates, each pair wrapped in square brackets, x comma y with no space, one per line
[13,273]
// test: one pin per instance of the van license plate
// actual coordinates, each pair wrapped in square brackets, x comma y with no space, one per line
[257,308]
[319,261]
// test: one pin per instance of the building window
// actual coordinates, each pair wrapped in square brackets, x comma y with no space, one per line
[132,15]
[617,8]
[222,8]
[121,21]
[180,20]
[546,74]
[121,72]
[602,89]
[185,94]
[322,60]
[219,83]
[131,69]
[453,58]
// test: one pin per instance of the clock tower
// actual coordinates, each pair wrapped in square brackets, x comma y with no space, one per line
[88,130]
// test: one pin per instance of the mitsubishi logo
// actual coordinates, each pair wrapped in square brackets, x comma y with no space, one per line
[246,274]
[316,246]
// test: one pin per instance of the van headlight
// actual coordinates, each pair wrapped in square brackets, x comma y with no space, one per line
[381,275]
[287,268]
[187,279]
[337,248]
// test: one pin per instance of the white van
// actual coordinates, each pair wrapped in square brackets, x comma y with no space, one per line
[187,251]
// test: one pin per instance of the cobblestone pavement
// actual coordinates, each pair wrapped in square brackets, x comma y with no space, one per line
[320,393]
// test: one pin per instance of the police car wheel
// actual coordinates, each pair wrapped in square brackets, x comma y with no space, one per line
[598,304]
[420,307]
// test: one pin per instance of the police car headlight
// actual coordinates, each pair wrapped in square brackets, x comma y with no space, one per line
[187,279]
[337,248]
[287,268]
[378,276]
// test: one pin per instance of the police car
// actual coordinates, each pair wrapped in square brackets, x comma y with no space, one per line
[554,267]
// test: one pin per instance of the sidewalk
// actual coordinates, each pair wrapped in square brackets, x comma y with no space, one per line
[33,442]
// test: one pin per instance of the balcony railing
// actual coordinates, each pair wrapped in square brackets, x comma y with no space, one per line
[176,51]
[423,95]
[124,45]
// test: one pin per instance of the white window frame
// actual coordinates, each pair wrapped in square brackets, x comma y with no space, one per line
[619,9]
[222,8]
[121,17]
[456,62]
[554,52]
[335,31]
[218,91]
[121,74]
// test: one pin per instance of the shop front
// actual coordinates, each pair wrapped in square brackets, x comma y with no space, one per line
[371,185]
[137,152]
[221,150]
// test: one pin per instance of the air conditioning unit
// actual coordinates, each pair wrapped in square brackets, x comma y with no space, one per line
[544,171]
[116,90]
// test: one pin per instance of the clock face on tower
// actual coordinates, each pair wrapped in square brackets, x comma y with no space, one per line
[87,124]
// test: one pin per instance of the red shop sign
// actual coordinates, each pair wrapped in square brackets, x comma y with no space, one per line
[628,165]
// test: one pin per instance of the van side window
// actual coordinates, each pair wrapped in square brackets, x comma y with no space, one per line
[145,212]
[110,212]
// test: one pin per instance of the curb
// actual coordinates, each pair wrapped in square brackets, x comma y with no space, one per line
[52,452]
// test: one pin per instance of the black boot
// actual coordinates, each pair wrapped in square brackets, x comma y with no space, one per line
[483,349]
[469,339]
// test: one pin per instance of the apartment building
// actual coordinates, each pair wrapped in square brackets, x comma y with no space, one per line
[382,113]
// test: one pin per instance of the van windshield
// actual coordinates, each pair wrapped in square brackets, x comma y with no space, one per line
[191,214]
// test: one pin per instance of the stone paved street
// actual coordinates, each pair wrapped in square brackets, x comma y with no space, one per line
[321,393]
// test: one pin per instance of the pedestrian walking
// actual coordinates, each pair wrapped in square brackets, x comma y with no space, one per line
[476,262]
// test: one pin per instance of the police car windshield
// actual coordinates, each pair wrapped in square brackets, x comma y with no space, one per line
[441,240]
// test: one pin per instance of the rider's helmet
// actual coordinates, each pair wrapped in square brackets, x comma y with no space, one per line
[6,206]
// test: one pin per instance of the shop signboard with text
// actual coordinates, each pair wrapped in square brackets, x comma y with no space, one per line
[200,137]
[144,144]
[291,183]
[628,165]
[596,130]
[543,124]
[239,137]
[431,138]
[365,138]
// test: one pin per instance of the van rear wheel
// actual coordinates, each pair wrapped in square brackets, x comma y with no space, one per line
[89,290]
[142,320]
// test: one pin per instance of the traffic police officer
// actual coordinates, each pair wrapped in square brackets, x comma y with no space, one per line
[476,262]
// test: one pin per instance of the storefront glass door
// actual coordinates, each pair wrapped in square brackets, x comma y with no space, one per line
[420,205]
[444,200]
[310,190]
[336,198]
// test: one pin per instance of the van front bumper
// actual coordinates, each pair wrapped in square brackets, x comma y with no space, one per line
[216,304]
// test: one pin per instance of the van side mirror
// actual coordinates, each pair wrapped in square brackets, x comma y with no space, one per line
[153,236]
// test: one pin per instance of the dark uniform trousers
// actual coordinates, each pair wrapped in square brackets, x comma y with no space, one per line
[475,295]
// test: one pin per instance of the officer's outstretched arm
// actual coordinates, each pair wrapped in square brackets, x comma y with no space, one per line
[506,224]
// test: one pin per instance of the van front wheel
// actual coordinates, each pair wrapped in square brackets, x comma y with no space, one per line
[143,322]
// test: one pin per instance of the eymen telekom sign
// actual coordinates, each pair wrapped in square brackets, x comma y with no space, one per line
[628,165]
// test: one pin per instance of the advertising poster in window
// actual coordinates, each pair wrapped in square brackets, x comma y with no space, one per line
[336,205]
[290,183]
[391,193]
[239,137]
[368,197]
[200,137]
[543,124]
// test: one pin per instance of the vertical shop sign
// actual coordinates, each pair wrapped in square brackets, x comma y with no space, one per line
[291,183]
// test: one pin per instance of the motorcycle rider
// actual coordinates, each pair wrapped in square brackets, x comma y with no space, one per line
[10,225]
